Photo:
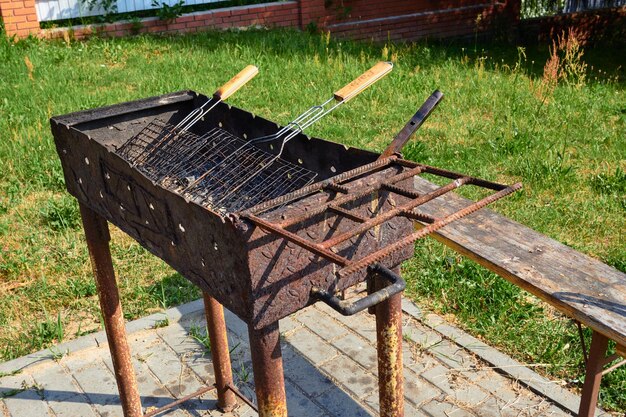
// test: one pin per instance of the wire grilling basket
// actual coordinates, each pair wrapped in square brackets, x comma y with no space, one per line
[221,171]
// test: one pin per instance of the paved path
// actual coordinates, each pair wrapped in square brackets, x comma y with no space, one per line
[330,370]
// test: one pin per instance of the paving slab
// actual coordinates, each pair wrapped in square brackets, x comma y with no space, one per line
[329,362]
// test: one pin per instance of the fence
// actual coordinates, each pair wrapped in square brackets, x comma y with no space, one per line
[541,8]
[48,10]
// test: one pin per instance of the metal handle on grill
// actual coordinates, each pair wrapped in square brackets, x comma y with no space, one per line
[416,121]
[366,79]
[236,82]
[349,308]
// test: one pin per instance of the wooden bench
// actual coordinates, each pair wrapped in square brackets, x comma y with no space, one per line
[579,286]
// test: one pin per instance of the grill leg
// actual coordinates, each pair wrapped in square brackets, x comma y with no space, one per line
[593,375]
[219,352]
[97,234]
[267,364]
[389,341]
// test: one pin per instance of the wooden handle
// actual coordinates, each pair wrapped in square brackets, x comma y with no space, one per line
[236,82]
[366,79]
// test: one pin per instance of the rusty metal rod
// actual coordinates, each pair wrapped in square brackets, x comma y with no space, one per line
[389,350]
[179,401]
[97,236]
[348,214]
[352,196]
[332,183]
[336,240]
[383,253]
[267,364]
[243,397]
[292,237]
[220,355]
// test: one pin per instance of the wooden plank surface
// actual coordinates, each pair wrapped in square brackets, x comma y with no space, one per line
[576,284]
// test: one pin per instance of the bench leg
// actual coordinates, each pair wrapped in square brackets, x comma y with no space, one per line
[267,363]
[389,347]
[593,375]
[97,235]
[220,355]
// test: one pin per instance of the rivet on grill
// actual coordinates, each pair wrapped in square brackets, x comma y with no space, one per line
[122,207]
[151,206]
[215,245]
[64,151]
[128,187]
[101,196]
[172,243]
[147,222]
[87,160]
[311,234]
[267,254]
[220,124]
[290,268]
[202,262]
[271,146]
[300,161]
[107,176]
[180,226]
[80,180]
[333,169]
[245,136]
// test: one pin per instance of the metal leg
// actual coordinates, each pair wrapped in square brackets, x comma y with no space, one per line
[267,364]
[593,375]
[97,234]
[389,341]
[219,352]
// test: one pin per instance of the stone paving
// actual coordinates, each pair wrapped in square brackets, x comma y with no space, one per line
[330,370]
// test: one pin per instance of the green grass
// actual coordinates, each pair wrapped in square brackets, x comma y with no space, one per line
[568,147]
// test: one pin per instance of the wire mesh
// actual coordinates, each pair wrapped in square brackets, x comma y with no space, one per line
[216,170]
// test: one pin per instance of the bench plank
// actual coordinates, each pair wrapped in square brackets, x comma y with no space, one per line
[576,284]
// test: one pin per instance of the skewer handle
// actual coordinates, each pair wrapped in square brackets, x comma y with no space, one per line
[236,82]
[366,79]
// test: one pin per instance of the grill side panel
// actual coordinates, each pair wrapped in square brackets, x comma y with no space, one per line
[202,246]
[283,273]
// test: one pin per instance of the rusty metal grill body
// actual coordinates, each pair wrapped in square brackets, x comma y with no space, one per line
[262,259]
[259,276]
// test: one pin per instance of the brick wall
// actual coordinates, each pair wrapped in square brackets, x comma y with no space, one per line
[281,14]
[358,19]
[19,17]
[380,20]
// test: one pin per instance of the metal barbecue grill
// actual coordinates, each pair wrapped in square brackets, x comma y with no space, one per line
[219,170]
[273,253]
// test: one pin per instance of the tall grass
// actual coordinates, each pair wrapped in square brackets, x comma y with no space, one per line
[503,118]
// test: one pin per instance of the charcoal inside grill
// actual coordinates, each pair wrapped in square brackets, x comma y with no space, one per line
[216,170]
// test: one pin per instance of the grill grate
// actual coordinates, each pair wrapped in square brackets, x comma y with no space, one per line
[216,170]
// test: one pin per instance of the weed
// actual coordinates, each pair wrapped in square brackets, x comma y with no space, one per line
[242,373]
[201,335]
[166,12]
[161,323]
[136,25]
[61,213]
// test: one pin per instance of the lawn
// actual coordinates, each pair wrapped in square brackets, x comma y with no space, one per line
[502,119]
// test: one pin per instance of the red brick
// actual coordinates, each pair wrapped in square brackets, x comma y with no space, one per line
[24,12]
[14,19]
[221,13]
[12,5]
[185,19]
[195,24]
[175,26]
